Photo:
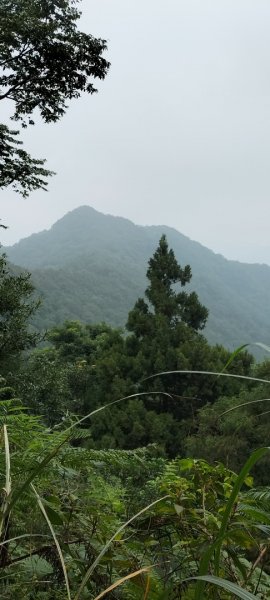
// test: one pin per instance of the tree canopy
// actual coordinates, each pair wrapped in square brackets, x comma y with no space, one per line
[99,493]
[45,61]
[166,303]
[17,305]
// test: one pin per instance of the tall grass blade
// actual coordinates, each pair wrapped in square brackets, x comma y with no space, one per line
[215,548]
[147,589]
[122,580]
[245,404]
[263,346]
[234,589]
[212,373]
[41,506]
[107,545]
[97,410]
[233,356]
[7,489]
[7,459]
[24,535]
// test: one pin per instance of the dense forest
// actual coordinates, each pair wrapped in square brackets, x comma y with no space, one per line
[121,448]
[134,461]
[91,267]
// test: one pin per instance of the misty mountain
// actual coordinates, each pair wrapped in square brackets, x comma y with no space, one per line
[92,267]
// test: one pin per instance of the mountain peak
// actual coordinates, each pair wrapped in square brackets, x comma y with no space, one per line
[92,267]
[85,215]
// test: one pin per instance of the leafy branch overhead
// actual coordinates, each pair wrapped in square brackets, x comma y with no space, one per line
[45,61]
[17,167]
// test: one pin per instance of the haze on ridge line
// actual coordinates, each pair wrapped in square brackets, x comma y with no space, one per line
[178,133]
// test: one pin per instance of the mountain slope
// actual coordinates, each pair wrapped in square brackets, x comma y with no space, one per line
[91,267]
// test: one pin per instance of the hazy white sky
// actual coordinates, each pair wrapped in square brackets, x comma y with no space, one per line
[179,133]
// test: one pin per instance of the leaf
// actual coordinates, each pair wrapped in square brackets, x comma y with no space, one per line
[216,546]
[7,488]
[65,437]
[55,540]
[7,455]
[212,373]
[178,509]
[233,355]
[263,346]
[24,535]
[55,517]
[226,585]
[255,513]
[122,580]
[244,404]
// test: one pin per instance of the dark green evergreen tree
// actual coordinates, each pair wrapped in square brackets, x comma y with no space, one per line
[165,336]
[165,325]
[163,274]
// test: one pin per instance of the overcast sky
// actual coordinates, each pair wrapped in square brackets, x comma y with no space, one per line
[179,133]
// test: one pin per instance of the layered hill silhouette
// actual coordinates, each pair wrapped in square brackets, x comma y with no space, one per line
[92,267]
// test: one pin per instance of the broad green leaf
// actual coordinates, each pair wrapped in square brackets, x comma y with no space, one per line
[55,517]
[226,585]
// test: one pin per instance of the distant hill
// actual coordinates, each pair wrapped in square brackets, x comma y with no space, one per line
[90,266]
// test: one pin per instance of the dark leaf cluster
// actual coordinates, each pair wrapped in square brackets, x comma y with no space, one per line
[44,59]
[17,168]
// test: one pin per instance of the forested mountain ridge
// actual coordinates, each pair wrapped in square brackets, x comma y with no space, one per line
[90,266]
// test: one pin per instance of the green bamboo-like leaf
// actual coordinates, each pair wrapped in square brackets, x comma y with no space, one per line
[226,585]
[255,513]
[237,562]
[233,356]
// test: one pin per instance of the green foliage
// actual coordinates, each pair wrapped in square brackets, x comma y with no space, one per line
[91,267]
[88,366]
[45,61]
[104,511]
[16,307]
[91,506]
[159,329]
[163,272]
[227,433]
[17,168]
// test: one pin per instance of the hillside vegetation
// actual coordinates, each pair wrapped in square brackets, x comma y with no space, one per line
[91,267]
[117,484]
